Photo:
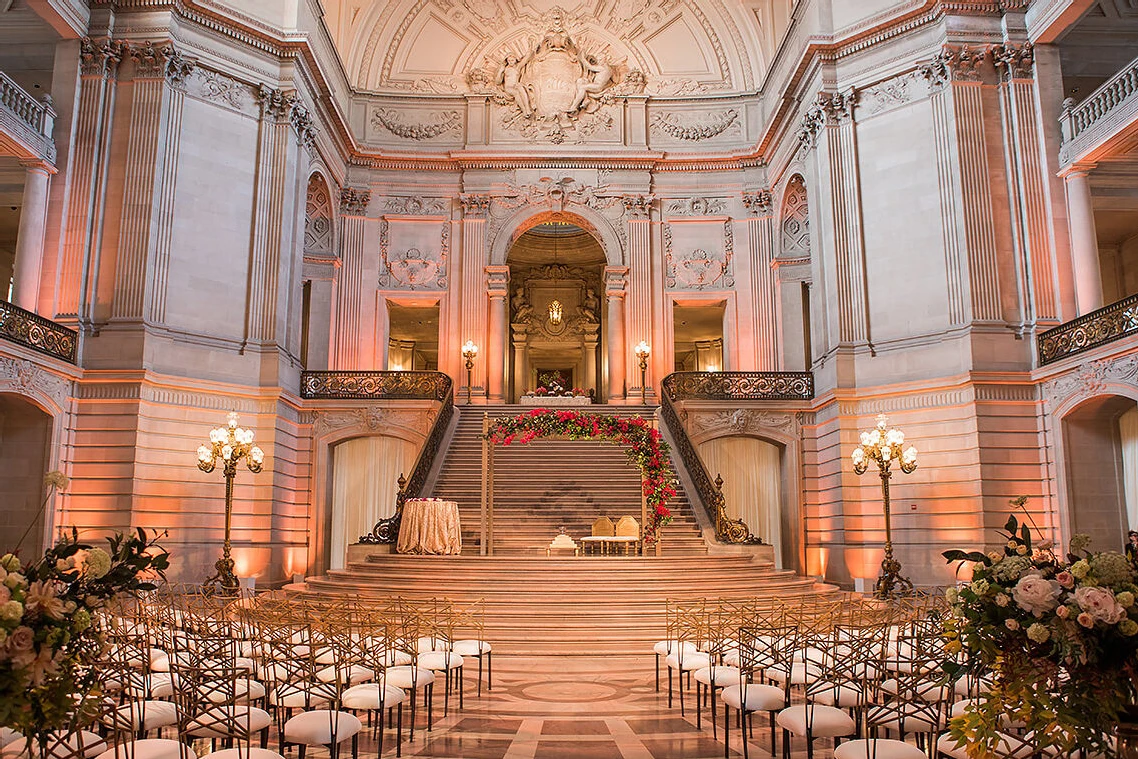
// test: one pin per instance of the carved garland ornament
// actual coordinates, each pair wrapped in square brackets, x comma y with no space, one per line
[704,128]
[412,268]
[699,268]
[436,125]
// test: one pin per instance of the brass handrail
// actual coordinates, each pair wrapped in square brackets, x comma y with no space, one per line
[386,531]
[35,332]
[1089,331]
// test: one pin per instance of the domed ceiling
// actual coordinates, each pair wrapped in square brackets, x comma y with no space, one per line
[659,47]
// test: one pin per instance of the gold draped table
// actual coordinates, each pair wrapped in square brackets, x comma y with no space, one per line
[556,400]
[429,525]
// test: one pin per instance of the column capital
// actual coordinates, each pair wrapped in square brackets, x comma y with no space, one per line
[498,281]
[1076,170]
[100,58]
[474,206]
[354,201]
[758,203]
[39,165]
[616,281]
[637,207]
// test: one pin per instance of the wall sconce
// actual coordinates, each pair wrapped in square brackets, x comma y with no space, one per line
[555,312]
[642,353]
[469,352]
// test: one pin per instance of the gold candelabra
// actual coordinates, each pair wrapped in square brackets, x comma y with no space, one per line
[230,444]
[642,353]
[883,446]
[469,352]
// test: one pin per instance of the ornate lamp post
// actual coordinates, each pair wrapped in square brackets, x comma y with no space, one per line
[469,352]
[642,353]
[882,447]
[230,444]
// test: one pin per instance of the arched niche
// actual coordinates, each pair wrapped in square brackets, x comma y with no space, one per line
[319,222]
[505,234]
[27,453]
[794,272]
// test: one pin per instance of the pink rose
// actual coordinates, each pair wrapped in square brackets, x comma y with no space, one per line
[5,594]
[1036,595]
[1066,579]
[1100,604]
[22,638]
[1062,612]
[1086,620]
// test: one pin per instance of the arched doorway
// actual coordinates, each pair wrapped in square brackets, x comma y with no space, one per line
[25,446]
[1100,444]
[556,274]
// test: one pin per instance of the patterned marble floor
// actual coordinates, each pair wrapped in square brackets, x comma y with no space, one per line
[573,708]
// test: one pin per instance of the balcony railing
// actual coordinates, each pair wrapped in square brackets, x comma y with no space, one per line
[34,120]
[740,386]
[35,332]
[723,386]
[1091,330]
[1120,91]
[376,385]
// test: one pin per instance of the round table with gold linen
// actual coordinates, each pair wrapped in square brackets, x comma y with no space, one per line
[429,525]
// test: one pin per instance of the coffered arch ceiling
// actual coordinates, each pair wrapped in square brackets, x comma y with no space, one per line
[683,47]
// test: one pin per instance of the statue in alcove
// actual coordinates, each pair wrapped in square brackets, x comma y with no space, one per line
[523,311]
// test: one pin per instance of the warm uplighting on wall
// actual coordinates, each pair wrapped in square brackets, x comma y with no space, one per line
[555,312]
[817,561]
[712,368]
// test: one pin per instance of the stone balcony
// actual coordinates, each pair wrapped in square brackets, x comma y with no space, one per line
[26,124]
[1102,120]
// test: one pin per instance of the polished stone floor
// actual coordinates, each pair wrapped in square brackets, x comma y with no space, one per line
[573,708]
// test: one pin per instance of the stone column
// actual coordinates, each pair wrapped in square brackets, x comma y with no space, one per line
[761,346]
[521,371]
[498,289]
[638,307]
[349,291]
[616,279]
[471,316]
[1084,239]
[29,242]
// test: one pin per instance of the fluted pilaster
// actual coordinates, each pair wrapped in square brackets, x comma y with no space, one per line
[349,290]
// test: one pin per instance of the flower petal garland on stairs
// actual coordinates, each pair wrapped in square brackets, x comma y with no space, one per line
[645,447]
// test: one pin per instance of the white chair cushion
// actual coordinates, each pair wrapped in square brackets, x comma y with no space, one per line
[296,696]
[422,645]
[691,660]
[754,698]
[440,660]
[731,658]
[144,715]
[366,697]
[159,660]
[798,673]
[878,748]
[846,697]
[151,748]
[902,717]
[348,675]
[211,723]
[7,735]
[321,727]
[719,675]
[92,746]
[409,677]
[247,752]
[471,647]
[669,647]
[392,658]
[824,721]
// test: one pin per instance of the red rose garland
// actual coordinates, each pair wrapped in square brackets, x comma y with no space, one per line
[645,448]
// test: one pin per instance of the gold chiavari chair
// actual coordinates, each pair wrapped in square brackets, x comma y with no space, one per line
[671,644]
[470,628]
[769,642]
[721,622]
[403,630]
[377,698]
[434,646]
[212,701]
[326,666]
[691,633]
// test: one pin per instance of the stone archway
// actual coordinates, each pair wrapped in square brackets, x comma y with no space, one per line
[25,457]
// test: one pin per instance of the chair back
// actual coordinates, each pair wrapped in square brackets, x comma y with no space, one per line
[627,527]
[603,528]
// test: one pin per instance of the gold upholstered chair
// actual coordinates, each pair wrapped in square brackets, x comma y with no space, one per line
[627,531]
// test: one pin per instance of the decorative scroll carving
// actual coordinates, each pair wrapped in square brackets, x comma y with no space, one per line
[414,206]
[35,332]
[699,268]
[275,103]
[697,207]
[413,268]
[637,206]
[376,385]
[830,109]
[759,203]
[703,127]
[100,58]
[373,418]
[955,63]
[1014,61]
[888,95]
[728,530]
[1091,379]
[557,193]
[218,88]
[437,124]
[161,63]
[354,201]
[740,386]
[741,421]
[475,205]
[1089,331]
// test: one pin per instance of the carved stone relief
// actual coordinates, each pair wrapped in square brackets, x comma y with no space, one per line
[219,89]
[694,261]
[413,254]
[695,128]
[354,201]
[25,378]
[318,218]
[759,203]
[373,418]
[830,109]
[434,124]
[707,425]
[416,206]
[697,207]
[1091,379]
[557,194]
[163,62]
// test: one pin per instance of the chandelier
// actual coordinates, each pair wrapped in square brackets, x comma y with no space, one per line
[555,312]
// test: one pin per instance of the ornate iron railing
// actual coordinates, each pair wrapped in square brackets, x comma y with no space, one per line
[376,385]
[1116,91]
[387,530]
[37,333]
[739,386]
[723,386]
[1091,330]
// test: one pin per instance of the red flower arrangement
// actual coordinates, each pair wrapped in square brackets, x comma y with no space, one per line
[645,447]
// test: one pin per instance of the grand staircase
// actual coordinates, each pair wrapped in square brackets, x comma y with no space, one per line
[544,485]
[538,604]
